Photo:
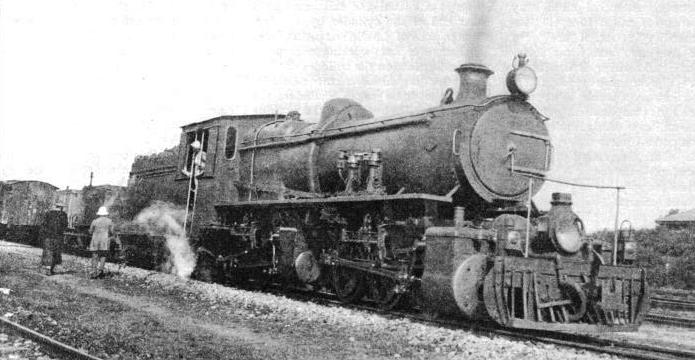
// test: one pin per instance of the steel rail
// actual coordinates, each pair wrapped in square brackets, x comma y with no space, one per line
[585,342]
[671,303]
[670,320]
[63,350]
[578,341]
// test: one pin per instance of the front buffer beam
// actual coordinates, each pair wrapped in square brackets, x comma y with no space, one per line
[548,294]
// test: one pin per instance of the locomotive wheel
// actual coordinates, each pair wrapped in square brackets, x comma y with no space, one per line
[348,284]
[574,292]
[239,279]
[383,292]
[259,279]
[203,267]
[307,267]
[467,285]
[203,274]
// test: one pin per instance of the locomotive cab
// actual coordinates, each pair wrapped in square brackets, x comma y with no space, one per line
[211,146]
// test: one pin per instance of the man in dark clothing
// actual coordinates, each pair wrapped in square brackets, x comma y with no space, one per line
[54,225]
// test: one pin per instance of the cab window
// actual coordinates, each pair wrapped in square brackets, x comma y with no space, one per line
[230,148]
[201,135]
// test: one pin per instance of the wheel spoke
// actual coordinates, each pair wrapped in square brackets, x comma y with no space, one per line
[383,292]
[348,284]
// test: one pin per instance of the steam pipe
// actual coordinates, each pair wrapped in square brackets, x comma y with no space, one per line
[615,232]
[528,215]
[253,151]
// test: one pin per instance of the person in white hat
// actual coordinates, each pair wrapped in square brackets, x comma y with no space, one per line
[101,230]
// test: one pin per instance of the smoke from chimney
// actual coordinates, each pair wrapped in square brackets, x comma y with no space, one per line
[473,76]
[478,30]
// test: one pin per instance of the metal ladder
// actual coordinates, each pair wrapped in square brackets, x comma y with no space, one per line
[192,193]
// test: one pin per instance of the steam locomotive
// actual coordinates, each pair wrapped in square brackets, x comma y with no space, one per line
[431,207]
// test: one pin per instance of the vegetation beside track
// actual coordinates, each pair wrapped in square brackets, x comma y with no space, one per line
[668,254]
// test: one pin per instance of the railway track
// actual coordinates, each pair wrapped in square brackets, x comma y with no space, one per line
[620,348]
[53,347]
[626,349]
[673,303]
[670,320]
[586,342]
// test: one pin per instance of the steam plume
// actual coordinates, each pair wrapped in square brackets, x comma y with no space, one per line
[479,28]
[165,219]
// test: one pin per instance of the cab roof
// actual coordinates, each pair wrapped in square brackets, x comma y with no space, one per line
[233,117]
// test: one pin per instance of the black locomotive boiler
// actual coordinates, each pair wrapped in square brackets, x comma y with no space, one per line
[432,206]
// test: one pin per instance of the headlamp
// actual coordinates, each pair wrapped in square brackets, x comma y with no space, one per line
[514,241]
[513,237]
[522,79]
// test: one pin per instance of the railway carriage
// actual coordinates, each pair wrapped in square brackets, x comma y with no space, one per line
[23,205]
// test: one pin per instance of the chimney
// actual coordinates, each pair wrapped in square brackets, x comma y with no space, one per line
[561,199]
[473,83]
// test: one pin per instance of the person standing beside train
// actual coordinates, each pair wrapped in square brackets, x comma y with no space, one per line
[52,229]
[101,229]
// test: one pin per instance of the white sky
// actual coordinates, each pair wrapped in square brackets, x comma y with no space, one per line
[87,85]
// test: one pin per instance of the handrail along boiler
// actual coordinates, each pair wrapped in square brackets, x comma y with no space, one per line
[433,207]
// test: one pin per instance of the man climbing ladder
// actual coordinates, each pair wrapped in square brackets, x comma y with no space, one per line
[196,168]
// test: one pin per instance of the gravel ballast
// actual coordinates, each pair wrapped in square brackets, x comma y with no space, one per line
[136,305]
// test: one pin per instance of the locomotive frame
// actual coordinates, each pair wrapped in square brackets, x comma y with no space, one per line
[429,206]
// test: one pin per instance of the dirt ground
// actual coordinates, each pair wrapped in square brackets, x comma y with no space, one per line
[146,315]
[113,319]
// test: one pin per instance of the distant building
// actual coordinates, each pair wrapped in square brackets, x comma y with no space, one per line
[72,204]
[679,221]
[82,205]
